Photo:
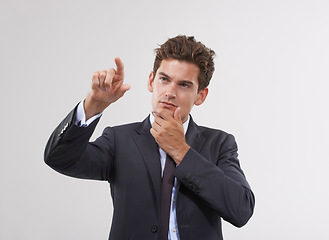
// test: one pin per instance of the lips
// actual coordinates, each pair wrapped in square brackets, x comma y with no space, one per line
[167,104]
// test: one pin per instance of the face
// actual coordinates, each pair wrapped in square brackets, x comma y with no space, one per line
[175,84]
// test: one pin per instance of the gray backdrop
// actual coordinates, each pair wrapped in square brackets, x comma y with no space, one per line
[269,90]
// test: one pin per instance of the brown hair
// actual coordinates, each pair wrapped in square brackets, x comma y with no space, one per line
[187,49]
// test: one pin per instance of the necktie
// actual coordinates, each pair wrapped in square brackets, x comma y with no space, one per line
[167,184]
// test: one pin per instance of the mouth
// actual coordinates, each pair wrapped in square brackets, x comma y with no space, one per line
[167,104]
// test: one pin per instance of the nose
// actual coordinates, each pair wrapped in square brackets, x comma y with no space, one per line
[171,91]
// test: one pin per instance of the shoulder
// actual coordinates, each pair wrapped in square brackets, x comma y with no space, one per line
[130,127]
[213,136]
[133,125]
[123,128]
[207,131]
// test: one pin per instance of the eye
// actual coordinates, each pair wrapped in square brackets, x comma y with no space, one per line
[164,79]
[184,85]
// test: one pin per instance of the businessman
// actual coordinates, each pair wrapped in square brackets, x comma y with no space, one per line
[169,177]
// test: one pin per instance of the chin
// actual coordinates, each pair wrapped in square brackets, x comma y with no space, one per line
[171,110]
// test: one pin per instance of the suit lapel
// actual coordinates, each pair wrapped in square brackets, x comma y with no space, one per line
[150,150]
[193,138]
[150,153]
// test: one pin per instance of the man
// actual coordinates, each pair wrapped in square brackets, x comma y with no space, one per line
[164,184]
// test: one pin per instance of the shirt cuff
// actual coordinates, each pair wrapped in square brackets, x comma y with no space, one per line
[81,116]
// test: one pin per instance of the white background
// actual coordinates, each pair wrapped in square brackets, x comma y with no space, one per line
[269,90]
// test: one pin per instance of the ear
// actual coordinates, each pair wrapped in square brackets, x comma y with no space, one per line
[150,82]
[201,96]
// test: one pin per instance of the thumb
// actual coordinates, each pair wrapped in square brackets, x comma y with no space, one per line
[177,116]
[125,87]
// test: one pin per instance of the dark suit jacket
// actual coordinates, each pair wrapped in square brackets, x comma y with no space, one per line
[212,184]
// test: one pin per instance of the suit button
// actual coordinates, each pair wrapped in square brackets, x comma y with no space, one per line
[154,229]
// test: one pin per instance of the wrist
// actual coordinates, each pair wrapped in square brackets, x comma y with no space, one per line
[181,154]
[93,107]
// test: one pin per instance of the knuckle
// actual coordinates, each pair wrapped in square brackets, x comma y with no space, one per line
[94,85]
[161,132]
[166,126]
[102,75]
[95,75]
[111,71]
[108,85]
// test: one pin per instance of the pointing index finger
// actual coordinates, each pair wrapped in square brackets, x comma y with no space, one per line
[120,66]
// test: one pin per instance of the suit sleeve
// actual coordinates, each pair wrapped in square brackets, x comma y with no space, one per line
[221,184]
[69,151]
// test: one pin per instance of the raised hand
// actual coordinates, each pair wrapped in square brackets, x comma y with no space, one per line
[107,87]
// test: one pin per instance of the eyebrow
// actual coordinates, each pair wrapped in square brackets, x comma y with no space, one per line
[162,73]
[188,82]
